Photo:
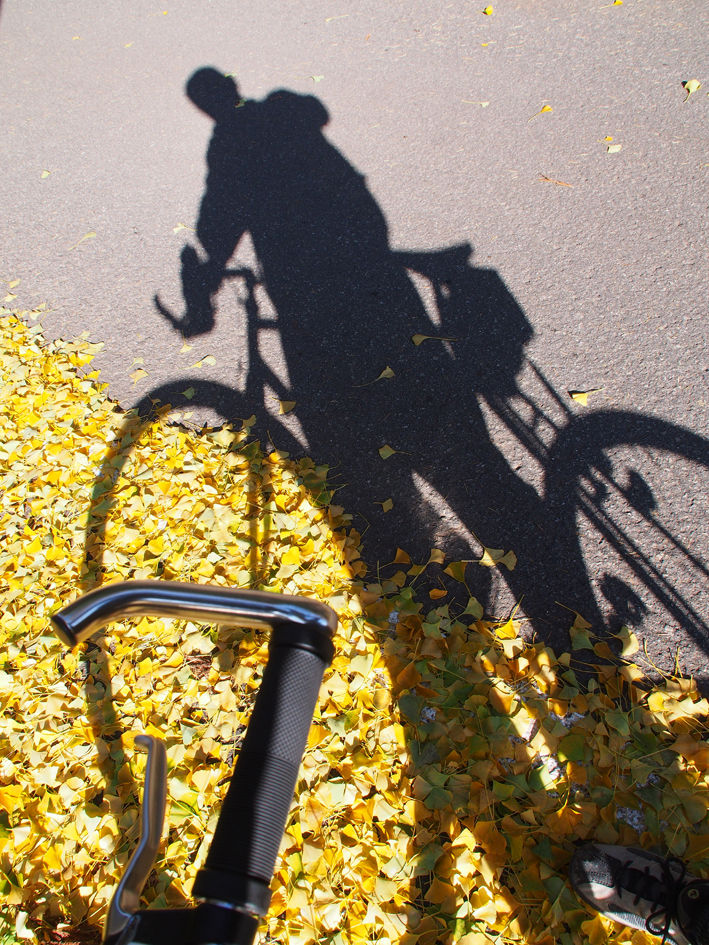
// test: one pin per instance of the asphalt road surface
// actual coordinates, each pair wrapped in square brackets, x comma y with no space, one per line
[530,184]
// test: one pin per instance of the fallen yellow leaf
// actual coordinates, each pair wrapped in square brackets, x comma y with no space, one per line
[492,557]
[691,86]
[542,111]
[86,236]
[581,396]
[456,569]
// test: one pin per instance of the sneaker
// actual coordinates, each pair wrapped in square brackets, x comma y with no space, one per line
[644,891]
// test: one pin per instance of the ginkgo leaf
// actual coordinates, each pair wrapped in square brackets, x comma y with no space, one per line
[580,622]
[543,110]
[87,236]
[581,396]
[138,375]
[45,174]
[691,86]
[456,569]
[580,639]
[189,393]
[629,641]
[507,630]
[206,361]
[285,406]
[474,608]
[185,348]
[387,505]
[572,747]
[492,557]
[551,180]
[419,339]
[387,451]
[488,11]
[614,148]
[386,374]
[181,226]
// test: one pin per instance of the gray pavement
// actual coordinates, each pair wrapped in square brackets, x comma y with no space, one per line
[588,266]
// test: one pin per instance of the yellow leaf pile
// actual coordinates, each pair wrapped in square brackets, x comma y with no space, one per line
[452,766]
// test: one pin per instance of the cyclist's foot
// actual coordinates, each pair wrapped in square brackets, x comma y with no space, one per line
[644,891]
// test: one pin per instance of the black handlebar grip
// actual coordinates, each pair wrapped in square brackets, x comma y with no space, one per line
[242,856]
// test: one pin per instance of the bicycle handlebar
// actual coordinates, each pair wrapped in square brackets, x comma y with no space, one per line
[242,855]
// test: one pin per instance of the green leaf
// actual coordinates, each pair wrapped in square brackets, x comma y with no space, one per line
[543,850]
[438,798]
[619,721]
[427,859]
[580,639]
[602,795]
[572,748]
[503,790]
[474,608]
[695,810]
[410,707]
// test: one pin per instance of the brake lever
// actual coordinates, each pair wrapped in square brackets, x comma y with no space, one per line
[126,898]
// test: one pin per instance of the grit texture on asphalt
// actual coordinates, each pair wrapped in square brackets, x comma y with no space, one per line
[528,186]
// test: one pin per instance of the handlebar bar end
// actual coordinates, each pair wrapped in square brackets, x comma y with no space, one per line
[63,631]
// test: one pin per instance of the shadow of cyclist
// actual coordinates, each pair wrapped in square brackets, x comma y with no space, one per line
[347,310]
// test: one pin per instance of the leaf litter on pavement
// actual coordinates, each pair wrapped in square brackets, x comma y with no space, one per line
[452,765]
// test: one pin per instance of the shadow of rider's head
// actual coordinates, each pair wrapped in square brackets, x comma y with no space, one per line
[216,94]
